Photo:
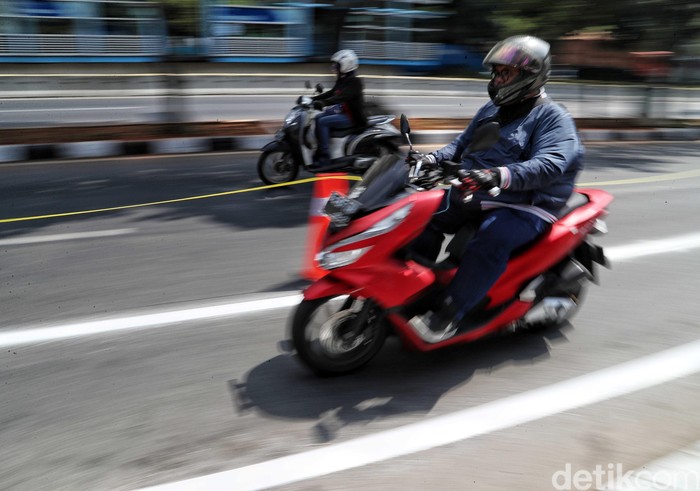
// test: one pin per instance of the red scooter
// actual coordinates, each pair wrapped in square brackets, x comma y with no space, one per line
[375,285]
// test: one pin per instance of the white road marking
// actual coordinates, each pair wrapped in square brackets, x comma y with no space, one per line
[62,109]
[505,413]
[61,237]
[14,336]
[588,389]
[680,243]
[31,335]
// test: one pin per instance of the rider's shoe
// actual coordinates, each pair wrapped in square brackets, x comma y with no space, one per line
[439,324]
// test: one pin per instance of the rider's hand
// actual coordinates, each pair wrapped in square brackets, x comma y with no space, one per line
[414,157]
[318,105]
[473,180]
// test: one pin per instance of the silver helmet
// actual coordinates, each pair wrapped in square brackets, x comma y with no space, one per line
[528,53]
[346,59]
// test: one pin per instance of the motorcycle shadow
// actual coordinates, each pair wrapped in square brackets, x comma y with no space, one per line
[395,382]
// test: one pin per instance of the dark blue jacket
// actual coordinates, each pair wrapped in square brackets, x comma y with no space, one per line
[538,156]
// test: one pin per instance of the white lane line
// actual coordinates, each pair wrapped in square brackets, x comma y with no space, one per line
[60,237]
[519,409]
[14,336]
[65,109]
[55,333]
[680,243]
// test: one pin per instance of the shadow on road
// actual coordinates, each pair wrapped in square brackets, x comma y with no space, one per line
[396,382]
[135,191]
[622,156]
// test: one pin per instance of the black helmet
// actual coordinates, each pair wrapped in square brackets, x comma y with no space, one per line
[529,54]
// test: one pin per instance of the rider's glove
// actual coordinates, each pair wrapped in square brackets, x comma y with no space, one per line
[487,179]
[318,105]
[414,157]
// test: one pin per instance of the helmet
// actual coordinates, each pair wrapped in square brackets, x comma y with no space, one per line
[529,54]
[346,60]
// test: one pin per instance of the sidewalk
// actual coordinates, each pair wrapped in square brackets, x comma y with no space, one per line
[117,147]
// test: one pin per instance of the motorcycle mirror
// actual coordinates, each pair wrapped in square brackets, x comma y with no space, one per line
[406,129]
[485,136]
[319,87]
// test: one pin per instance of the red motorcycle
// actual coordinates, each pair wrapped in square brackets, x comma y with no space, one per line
[375,285]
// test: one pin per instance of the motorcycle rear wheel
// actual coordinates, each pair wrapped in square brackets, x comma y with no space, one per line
[337,335]
[277,167]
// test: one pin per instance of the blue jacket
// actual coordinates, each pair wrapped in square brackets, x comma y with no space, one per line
[538,156]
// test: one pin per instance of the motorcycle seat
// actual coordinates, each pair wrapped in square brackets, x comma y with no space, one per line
[380,119]
[455,248]
[352,130]
[342,132]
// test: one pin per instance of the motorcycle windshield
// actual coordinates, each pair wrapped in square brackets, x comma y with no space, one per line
[381,183]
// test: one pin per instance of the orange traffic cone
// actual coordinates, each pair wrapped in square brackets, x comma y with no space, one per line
[318,222]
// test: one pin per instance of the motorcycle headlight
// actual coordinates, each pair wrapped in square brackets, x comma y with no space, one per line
[291,118]
[330,259]
[333,260]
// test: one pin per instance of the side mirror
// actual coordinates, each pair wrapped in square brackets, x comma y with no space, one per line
[406,130]
[405,127]
[319,88]
[485,137]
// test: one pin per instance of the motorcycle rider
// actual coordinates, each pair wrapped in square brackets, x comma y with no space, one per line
[344,103]
[534,163]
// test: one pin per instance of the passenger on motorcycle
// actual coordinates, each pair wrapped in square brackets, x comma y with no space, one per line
[534,163]
[344,103]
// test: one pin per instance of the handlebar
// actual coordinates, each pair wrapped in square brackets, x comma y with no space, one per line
[421,173]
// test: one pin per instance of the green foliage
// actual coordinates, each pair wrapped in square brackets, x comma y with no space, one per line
[644,25]
[182,17]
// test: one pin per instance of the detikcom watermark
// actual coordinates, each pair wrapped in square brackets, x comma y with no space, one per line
[613,476]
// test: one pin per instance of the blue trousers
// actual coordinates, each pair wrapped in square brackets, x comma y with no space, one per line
[486,255]
[326,121]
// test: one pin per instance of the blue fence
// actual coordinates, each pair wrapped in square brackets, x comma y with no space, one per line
[135,30]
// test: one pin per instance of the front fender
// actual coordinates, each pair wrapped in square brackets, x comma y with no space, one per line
[276,146]
[327,287]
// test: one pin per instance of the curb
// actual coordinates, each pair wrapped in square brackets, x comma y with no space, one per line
[165,146]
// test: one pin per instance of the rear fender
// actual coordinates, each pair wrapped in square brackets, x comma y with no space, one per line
[561,240]
[372,137]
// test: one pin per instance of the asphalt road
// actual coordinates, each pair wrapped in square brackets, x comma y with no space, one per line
[177,398]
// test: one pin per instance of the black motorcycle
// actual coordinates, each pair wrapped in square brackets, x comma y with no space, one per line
[352,150]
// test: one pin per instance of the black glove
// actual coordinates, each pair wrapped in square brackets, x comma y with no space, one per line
[318,105]
[414,157]
[487,179]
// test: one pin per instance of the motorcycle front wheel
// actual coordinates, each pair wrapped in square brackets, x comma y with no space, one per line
[337,335]
[277,167]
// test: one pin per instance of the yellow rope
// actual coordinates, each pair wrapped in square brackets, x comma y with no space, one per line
[178,200]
